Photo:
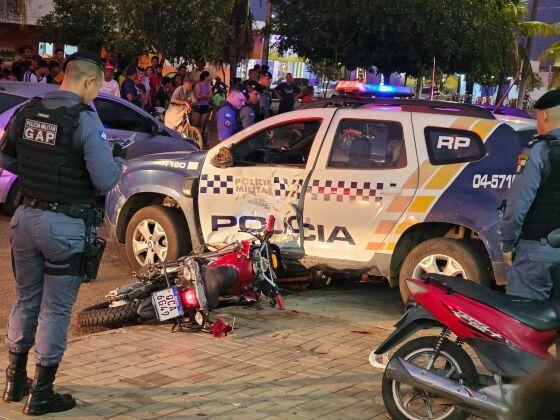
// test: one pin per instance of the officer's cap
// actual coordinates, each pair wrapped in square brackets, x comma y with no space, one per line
[251,85]
[84,55]
[549,100]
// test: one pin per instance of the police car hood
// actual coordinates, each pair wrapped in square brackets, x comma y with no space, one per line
[188,163]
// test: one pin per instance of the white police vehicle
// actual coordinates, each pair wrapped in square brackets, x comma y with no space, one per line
[387,187]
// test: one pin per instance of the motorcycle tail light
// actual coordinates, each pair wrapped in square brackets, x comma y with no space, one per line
[274,260]
[188,297]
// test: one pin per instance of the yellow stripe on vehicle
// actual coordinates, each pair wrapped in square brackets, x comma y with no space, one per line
[399,204]
[404,225]
[442,177]
[384,227]
[375,246]
[484,127]
[462,123]
[390,246]
[421,204]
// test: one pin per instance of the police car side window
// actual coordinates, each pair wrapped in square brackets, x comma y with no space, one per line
[287,144]
[368,144]
[120,117]
[447,145]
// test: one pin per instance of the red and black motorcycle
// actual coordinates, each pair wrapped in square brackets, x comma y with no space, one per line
[433,377]
[187,289]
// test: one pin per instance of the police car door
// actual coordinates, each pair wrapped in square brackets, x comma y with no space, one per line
[271,160]
[365,176]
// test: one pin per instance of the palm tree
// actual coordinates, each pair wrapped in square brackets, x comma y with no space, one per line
[528,30]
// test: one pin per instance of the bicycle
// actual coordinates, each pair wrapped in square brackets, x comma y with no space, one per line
[188,130]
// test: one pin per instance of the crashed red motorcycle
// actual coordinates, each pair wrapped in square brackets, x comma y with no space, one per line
[433,377]
[186,290]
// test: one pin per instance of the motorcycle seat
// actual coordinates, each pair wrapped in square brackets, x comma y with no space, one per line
[541,315]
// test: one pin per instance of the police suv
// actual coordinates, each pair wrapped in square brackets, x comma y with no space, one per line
[386,187]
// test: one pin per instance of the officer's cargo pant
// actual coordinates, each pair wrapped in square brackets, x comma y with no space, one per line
[43,305]
[530,276]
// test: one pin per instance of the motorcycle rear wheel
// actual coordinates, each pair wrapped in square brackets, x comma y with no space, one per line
[103,315]
[455,360]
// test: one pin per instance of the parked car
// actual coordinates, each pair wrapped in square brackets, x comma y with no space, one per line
[325,90]
[298,81]
[122,120]
[391,188]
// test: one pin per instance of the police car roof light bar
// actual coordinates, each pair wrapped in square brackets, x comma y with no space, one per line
[408,105]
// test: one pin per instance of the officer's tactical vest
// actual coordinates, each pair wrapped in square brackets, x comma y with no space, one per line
[544,214]
[50,167]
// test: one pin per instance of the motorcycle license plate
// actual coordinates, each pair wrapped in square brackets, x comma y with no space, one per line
[167,303]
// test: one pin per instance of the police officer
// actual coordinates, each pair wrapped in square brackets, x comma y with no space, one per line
[533,207]
[252,91]
[227,115]
[58,147]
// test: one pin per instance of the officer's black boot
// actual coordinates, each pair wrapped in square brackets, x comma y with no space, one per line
[43,399]
[17,382]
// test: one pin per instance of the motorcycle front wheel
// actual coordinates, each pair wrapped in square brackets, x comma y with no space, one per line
[104,315]
[404,402]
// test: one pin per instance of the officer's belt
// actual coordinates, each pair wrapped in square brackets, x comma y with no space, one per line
[90,216]
[529,237]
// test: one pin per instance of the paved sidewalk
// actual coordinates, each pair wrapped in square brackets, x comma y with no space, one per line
[277,364]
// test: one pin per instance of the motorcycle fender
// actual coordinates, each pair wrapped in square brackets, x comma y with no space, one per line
[415,319]
[146,309]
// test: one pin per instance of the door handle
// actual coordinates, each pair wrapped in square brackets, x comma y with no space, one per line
[390,191]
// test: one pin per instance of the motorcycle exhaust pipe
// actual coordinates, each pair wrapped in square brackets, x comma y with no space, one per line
[399,369]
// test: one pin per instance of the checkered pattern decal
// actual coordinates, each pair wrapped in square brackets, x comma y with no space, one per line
[216,184]
[344,191]
[284,187]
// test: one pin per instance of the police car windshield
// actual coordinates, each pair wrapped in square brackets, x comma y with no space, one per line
[8,101]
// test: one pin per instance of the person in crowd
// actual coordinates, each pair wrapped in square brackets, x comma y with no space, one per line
[265,107]
[257,68]
[177,81]
[156,80]
[109,85]
[21,66]
[227,116]
[37,72]
[54,71]
[202,93]
[253,75]
[252,91]
[266,69]
[143,85]
[200,67]
[8,74]
[144,79]
[59,178]
[155,63]
[531,207]
[183,72]
[164,93]
[220,91]
[182,100]
[287,92]
[307,94]
[129,90]
[59,56]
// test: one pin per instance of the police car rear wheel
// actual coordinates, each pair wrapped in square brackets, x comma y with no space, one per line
[445,256]
[155,234]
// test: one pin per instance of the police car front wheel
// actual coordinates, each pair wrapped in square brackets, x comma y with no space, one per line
[155,234]
[450,257]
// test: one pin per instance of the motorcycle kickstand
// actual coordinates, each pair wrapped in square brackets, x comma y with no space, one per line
[178,325]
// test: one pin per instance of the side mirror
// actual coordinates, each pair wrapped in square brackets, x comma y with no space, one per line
[554,238]
[223,159]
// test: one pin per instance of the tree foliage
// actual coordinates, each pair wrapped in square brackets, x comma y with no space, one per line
[477,37]
[191,29]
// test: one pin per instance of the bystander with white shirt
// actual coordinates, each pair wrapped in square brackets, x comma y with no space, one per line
[110,86]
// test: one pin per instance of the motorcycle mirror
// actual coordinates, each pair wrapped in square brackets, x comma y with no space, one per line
[554,238]
[270,224]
